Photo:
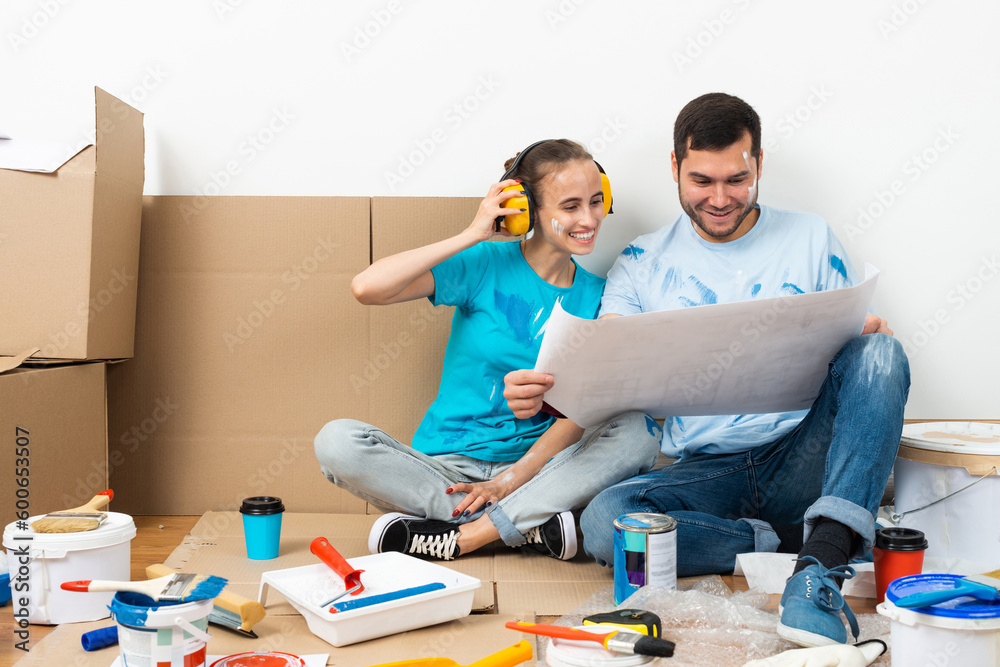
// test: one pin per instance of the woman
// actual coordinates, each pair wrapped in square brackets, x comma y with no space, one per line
[476,474]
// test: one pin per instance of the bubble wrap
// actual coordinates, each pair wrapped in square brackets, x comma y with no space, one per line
[711,625]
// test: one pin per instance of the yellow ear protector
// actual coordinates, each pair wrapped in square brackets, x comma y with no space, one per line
[521,223]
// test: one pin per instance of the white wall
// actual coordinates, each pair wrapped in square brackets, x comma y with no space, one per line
[888,107]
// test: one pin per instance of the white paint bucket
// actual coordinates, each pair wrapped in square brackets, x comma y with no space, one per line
[157,634]
[962,632]
[947,484]
[40,562]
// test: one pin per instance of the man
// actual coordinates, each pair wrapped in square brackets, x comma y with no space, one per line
[808,482]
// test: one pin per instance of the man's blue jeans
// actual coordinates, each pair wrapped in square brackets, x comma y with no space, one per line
[834,464]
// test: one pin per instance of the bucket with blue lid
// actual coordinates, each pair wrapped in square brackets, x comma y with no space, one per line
[962,631]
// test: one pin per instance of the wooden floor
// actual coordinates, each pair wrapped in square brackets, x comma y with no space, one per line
[157,536]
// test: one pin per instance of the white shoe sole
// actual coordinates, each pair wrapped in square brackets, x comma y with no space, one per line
[378,529]
[802,637]
[568,527]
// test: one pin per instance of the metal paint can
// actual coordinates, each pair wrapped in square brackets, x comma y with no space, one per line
[645,553]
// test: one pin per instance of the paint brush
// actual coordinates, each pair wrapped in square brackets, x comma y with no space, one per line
[171,588]
[77,520]
[981,586]
[622,641]
[229,609]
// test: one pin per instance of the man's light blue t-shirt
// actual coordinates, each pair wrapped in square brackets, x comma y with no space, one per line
[501,310]
[784,253]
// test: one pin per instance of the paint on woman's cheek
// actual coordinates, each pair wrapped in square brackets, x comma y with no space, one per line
[557,228]
[752,190]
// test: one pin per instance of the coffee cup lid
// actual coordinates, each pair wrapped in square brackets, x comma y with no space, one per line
[262,505]
[897,538]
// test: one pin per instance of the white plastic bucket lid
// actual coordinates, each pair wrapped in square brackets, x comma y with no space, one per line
[974,438]
[962,613]
[118,528]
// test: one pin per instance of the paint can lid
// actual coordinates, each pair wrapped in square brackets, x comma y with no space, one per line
[262,505]
[964,608]
[964,438]
[260,659]
[646,522]
[897,538]
[135,610]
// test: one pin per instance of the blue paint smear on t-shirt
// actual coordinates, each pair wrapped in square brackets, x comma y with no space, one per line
[517,312]
[838,266]
[707,296]
[670,280]
[632,251]
[756,289]
[791,287]
[652,426]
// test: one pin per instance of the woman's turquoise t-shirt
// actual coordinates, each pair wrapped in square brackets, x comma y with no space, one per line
[501,310]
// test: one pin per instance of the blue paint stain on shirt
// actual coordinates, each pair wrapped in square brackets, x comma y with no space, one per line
[791,287]
[707,295]
[632,251]
[756,290]
[652,426]
[518,314]
[838,266]
[670,280]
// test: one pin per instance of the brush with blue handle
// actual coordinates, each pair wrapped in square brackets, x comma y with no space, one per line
[981,586]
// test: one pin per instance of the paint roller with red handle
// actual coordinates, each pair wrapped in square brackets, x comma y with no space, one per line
[322,548]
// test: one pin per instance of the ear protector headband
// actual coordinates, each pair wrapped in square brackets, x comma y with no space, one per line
[522,223]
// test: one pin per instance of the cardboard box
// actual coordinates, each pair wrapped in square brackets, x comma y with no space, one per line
[54,423]
[73,240]
[247,336]
[248,340]
[407,342]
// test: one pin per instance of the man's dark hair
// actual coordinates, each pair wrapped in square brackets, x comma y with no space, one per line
[713,122]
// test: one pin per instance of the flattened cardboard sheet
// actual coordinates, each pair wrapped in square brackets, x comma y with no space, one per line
[465,641]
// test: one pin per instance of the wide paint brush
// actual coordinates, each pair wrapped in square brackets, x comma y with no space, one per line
[228,609]
[172,588]
[77,520]
[981,586]
[622,641]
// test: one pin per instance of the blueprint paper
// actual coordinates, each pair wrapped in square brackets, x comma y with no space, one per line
[749,357]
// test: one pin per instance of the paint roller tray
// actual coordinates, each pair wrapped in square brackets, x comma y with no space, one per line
[307,588]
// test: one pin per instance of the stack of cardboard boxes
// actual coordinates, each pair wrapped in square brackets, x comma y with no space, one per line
[69,243]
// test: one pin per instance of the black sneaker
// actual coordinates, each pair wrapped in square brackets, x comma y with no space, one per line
[424,538]
[555,538]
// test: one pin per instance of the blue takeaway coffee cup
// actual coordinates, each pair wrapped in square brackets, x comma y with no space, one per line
[262,526]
